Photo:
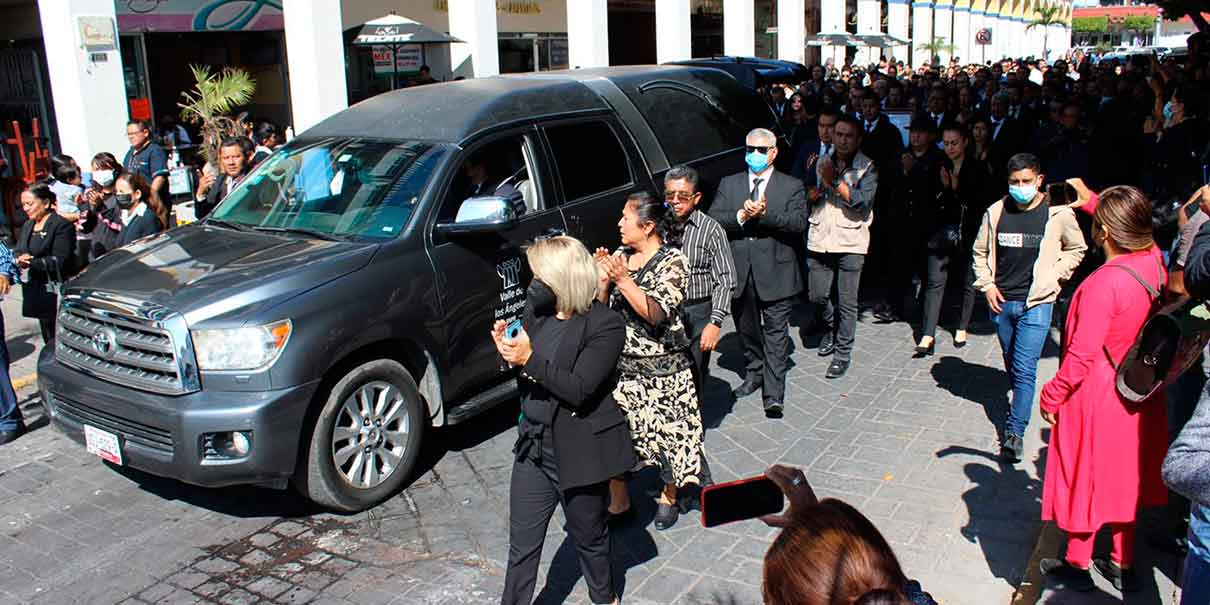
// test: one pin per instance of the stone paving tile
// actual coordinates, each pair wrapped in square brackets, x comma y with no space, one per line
[911,443]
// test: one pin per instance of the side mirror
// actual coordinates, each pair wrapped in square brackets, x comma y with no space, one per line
[488,214]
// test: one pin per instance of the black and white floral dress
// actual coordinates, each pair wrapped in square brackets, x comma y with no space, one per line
[655,377]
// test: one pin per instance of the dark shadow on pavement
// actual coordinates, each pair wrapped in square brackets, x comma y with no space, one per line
[730,352]
[21,347]
[716,402]
[976,383]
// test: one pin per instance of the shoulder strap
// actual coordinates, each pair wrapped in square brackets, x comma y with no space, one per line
[1151,290]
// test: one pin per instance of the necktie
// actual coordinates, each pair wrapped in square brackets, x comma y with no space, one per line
[755,195]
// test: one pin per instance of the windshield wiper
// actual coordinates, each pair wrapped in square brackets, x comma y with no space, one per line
[301,231]
[228,224]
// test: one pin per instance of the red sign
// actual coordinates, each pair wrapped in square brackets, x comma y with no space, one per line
[140,109]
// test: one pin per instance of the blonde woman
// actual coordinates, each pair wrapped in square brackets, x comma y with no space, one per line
[572,437]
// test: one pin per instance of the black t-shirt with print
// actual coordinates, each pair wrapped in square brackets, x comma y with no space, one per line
[1018,238]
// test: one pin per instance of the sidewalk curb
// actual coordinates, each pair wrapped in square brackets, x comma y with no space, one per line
[1032,582]
[21,382]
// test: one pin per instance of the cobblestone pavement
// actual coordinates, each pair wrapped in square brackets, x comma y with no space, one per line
[911,443]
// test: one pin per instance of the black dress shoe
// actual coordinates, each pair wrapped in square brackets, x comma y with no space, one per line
[837,369]
[1125,580]
[11,436]
[666,516]
[750,386]
[773,408]
[827,346]
[922,352]
[1064,575]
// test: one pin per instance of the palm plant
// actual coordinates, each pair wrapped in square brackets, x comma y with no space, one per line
[1047,16]
[210,104]
[937,46]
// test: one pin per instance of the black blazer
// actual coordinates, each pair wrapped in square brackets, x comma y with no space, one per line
[214,195]
[141,226]
[765,247]
[54,261]
[884,145]
[592,438]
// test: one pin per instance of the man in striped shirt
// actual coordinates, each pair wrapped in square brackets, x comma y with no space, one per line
[711,270]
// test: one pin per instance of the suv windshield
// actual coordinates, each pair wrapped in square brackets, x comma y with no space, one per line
[334,189]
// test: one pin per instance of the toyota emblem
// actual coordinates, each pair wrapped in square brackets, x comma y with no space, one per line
[104,341]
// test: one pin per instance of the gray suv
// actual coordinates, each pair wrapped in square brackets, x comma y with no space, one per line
[337,304]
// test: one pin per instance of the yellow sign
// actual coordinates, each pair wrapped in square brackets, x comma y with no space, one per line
[512,7]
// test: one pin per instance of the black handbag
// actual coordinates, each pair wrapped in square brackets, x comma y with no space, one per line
[1168,344]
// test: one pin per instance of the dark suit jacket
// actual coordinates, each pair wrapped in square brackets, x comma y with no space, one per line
[53,261]
[884,146]
[765,247]
[140,227]
[592,438]
[1009,142]
[217,192]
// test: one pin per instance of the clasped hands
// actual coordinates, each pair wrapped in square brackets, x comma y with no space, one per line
[613,268]
[753,209]
[517,350]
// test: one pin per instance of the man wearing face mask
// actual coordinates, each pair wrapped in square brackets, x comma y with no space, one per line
[1025,250]
[764,213]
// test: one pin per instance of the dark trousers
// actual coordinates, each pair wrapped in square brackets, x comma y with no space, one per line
[48,329]
[532,498]
[697,317]
[937,269]
[845,270]
[764,329]
[968,291]
[10,412]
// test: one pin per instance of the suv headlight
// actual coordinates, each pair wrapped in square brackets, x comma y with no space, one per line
[241,349]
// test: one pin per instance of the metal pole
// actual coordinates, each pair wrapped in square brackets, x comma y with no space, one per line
[394,66]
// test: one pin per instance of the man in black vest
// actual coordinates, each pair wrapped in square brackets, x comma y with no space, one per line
[764,213]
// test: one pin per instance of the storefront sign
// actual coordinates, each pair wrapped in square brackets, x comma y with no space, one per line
[511,7]
[407,59]
[140,109]
[97,34]
[199,15]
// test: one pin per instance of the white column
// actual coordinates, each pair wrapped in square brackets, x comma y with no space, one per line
[474,22]
[922,31]
[869,21]
[90,97]
[792,30]
[962,32]
[897,25]
[739,28]
[673,32]
[943,24]
[977,53]
[315,51]
[1000,36]
[832,20]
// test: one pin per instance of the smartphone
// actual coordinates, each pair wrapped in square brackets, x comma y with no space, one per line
[513,329]
[1206,174]
[1061,194]
[740,500]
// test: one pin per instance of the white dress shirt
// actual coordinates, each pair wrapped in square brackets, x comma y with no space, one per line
[764,184]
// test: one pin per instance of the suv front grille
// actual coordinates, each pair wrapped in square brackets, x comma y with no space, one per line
[119,347]
[143,434]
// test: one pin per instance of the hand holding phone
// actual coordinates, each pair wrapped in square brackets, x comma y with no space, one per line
[513,329]
[1061,194]
[750,498]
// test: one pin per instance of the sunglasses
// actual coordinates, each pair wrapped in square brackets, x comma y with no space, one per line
[759,148]
[683,196]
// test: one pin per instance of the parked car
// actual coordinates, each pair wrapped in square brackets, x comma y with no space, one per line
[336,306]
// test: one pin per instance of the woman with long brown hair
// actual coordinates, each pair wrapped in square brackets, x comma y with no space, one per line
[1105,453]
[828,553]
[142,212]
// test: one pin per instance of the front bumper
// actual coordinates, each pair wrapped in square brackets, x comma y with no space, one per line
[162,434]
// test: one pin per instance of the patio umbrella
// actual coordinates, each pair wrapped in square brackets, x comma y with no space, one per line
[832,39]
[395,31]
[881,40]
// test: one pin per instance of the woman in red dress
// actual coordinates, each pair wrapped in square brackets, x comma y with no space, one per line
[1105,453]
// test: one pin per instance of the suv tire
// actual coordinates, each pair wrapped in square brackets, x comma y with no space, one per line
[366,439]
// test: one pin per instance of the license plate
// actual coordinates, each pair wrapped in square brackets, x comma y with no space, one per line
[103,444]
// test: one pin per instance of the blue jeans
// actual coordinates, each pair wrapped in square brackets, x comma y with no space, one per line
[1195,587]
[1022,333]
[10,412]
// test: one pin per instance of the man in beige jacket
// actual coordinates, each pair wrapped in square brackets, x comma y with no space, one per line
[1025,250]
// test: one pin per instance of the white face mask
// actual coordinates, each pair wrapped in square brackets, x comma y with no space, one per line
[103,178]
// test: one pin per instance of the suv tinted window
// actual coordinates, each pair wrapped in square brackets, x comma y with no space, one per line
[590,158]
[686,125]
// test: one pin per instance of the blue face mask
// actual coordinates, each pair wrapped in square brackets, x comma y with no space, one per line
[1022,194]
[757,161]
[1168,110]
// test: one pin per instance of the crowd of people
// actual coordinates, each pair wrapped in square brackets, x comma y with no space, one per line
[988,195]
